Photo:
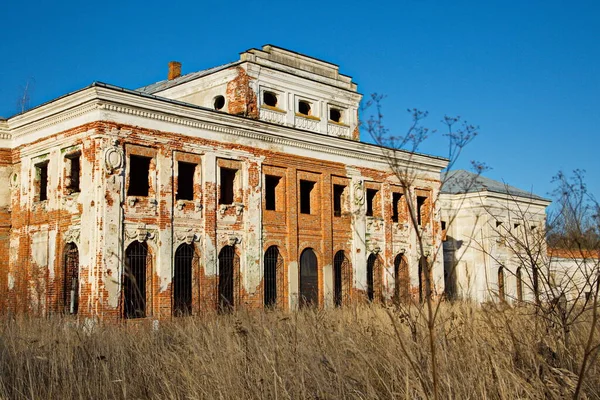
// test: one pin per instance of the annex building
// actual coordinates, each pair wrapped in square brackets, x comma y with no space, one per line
[240,186]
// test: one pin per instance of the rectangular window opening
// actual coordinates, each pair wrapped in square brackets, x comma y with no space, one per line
[371,193]
[306,188]
[139,175]
[396,206]
[443,225]
[185,180]
[271,183]
[420,209]
[338,193]
[74,173]
[227,185]
[42,177]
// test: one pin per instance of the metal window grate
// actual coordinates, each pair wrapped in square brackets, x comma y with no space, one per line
[342,278]
[185,256]
[71,280]
[273,269]
[228,261]
[134,280]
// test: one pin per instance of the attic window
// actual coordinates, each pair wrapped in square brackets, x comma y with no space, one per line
[219,103]
[270,99]
[335,115]
[304,107]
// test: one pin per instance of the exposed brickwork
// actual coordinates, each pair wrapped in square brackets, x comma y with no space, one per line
[241,98]
[166,223]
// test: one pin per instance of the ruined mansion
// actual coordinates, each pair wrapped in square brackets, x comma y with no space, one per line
[241,186]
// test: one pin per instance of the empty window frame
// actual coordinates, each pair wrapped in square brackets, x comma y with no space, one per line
[73,172]
[306,188]
[271,184]
[227,191]
[421,209]
[270,99]
[371,194]
[338,199]
[185,180]
[41,180]
[304,107]
[396,197]
[139,175]
[335,115]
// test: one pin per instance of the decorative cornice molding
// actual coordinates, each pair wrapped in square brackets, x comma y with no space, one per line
[152,107]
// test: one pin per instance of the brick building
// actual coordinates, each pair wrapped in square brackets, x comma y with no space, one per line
[243,185]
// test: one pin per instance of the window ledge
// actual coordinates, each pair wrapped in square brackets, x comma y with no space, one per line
[308,117]
[271,108]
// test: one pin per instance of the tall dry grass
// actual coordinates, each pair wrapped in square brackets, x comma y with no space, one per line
[325,354]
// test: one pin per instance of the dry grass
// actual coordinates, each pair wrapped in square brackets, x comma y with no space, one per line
[332,354]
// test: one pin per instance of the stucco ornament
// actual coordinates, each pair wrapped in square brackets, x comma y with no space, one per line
[230,238]
[188,236]
[141,233]
[72,235]
[13,181]
[374,248]
[113,157]
[359,193]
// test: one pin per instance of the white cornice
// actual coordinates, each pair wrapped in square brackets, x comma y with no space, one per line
[154,108]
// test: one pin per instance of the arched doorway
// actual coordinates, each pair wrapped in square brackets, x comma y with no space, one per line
[71,279]
[227,263]
[182,280]
[134,280]
[273,267]
[342,278]
[401,279]
[309,279]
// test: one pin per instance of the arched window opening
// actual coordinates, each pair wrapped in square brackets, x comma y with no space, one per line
[270,99]
[304,107]
[501,293]
[519,284]
[273,268]
[227,263]
[342,278]
[134,280]
[219,102]
[371,261]
[424,280]
[335,115]
[182,280]
[71,280]
[309,280]
[401,279]
[536,284]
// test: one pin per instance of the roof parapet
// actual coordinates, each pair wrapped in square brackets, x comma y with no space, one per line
[273,56]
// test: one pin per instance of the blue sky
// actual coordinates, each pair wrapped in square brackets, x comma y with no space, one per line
[526,72]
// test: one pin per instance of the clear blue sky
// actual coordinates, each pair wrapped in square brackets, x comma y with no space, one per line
[526,72]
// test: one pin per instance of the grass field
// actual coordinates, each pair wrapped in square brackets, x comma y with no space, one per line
[359,352]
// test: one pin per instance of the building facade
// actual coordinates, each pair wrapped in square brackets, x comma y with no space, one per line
[242,186]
